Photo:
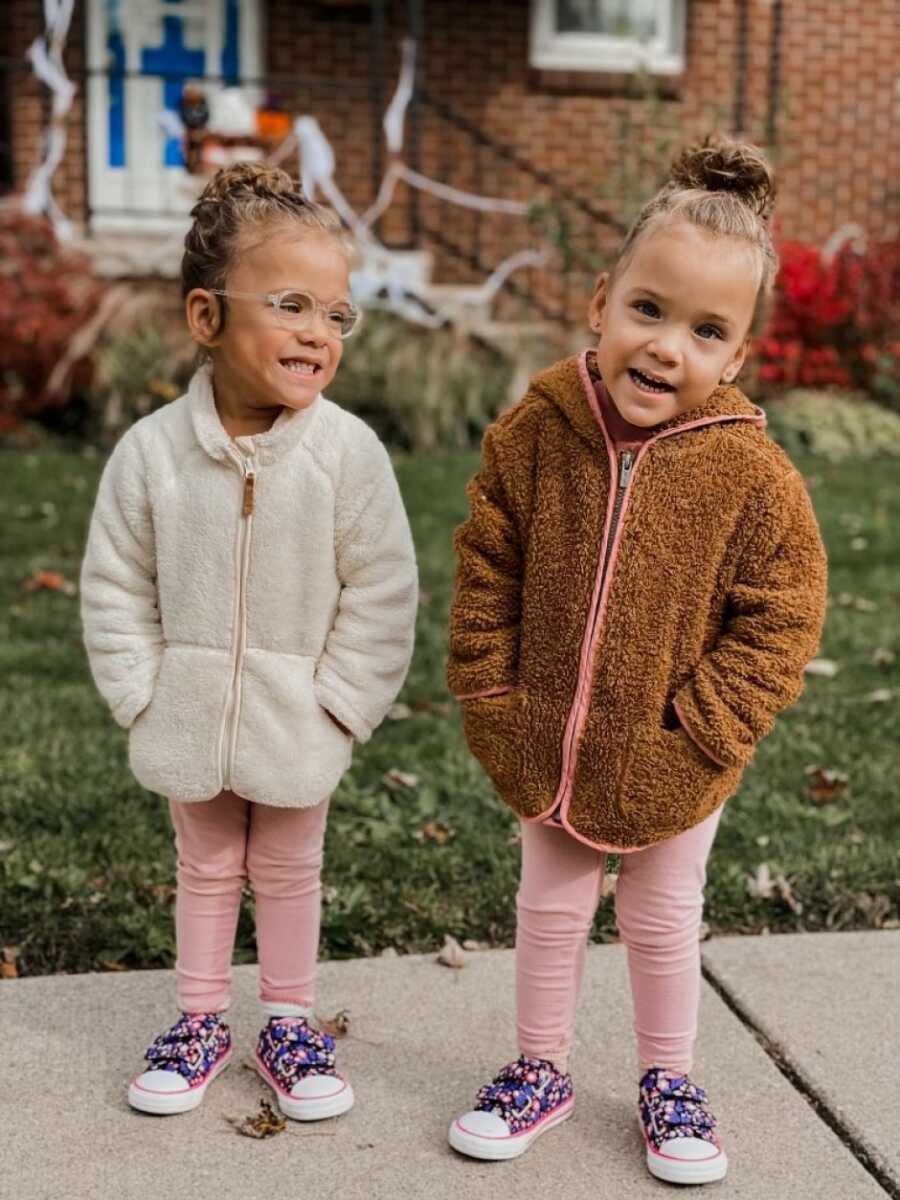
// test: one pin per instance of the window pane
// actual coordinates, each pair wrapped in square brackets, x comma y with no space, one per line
[615,18]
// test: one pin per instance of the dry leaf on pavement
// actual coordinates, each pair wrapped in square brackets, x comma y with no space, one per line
[338,1025]
[8,966]
[265,1123]
[451,953]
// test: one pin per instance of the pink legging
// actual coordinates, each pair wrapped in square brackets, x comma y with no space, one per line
[223,843]
[659,904]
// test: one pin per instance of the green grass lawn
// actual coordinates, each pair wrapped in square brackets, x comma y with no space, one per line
[86,861]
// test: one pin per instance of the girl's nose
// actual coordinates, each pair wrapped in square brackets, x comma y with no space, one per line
[665,348]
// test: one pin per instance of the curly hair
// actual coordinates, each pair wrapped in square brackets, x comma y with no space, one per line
[238,208]
[722,186]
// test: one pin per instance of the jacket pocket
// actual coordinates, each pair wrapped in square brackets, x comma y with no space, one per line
[288,750]
[672,785]
[493,726]
[173,746]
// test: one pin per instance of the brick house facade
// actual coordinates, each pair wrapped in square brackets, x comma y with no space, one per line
[814,80]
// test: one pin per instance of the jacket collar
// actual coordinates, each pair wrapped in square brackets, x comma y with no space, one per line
[569,385]
[288,430]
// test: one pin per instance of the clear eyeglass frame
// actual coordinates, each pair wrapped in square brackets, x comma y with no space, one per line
[349,316]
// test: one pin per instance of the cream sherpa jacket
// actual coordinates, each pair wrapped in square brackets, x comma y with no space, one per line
[234,591]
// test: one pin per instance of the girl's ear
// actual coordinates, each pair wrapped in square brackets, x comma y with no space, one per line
[203,316]
[733,369]
[598,302]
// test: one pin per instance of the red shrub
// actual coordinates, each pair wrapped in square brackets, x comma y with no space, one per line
[46,293]
[836,316]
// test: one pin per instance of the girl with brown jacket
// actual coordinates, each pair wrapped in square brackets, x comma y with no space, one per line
[640,584]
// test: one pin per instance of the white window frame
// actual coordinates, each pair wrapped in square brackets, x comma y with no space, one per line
[551,50]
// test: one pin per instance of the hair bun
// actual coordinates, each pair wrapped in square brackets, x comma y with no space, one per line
[249,179]
[719,164]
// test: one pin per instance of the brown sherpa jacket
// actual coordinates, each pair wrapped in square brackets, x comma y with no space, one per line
[626,628]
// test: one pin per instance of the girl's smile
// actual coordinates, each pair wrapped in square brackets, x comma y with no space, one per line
[674,323]
[260,367]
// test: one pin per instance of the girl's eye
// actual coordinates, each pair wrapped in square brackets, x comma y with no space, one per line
[337,317]
[646,308]
[708,332]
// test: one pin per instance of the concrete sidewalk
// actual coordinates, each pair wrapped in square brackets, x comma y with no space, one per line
[422,1039]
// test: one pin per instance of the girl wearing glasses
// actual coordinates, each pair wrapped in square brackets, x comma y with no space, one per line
[248,598]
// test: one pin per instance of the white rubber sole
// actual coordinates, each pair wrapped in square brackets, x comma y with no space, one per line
[317,1108]
[499,1149]
[685,1170]
[167,1104]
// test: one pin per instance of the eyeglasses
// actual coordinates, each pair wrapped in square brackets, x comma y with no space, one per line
[297,310]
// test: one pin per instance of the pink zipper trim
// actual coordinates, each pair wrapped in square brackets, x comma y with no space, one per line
[597,612]
[498,691]
[700,745]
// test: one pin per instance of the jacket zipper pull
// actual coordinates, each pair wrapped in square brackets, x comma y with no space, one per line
[249,482]
[625,468]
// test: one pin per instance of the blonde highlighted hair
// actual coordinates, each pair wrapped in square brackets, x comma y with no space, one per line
[237,209]
[728,189]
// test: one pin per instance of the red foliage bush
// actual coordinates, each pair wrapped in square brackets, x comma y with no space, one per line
[836,318]
[46,293]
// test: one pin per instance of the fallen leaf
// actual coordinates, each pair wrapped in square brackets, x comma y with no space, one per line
[705,932]
[51,581]
[876,908]
[859,543]
[108,965]
[389,952]
[8,966]
[399,712]
[760,885]
[608,887]
[451,953]
[763,885]
[265,1123]
[826,667]
[433,831]
[396,779]
[882,657]
[338,1025]
[880,696]
[825,784]
[859,603]
[329,893]
[784,891]
[471,944]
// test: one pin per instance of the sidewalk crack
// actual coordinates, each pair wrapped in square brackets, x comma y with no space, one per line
[867,1158]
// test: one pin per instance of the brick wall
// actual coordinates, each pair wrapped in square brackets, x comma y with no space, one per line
[833,70]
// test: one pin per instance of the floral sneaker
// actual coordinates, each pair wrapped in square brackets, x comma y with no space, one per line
[183,1063]
[528,1097]
[298,1062]
[679,1130]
